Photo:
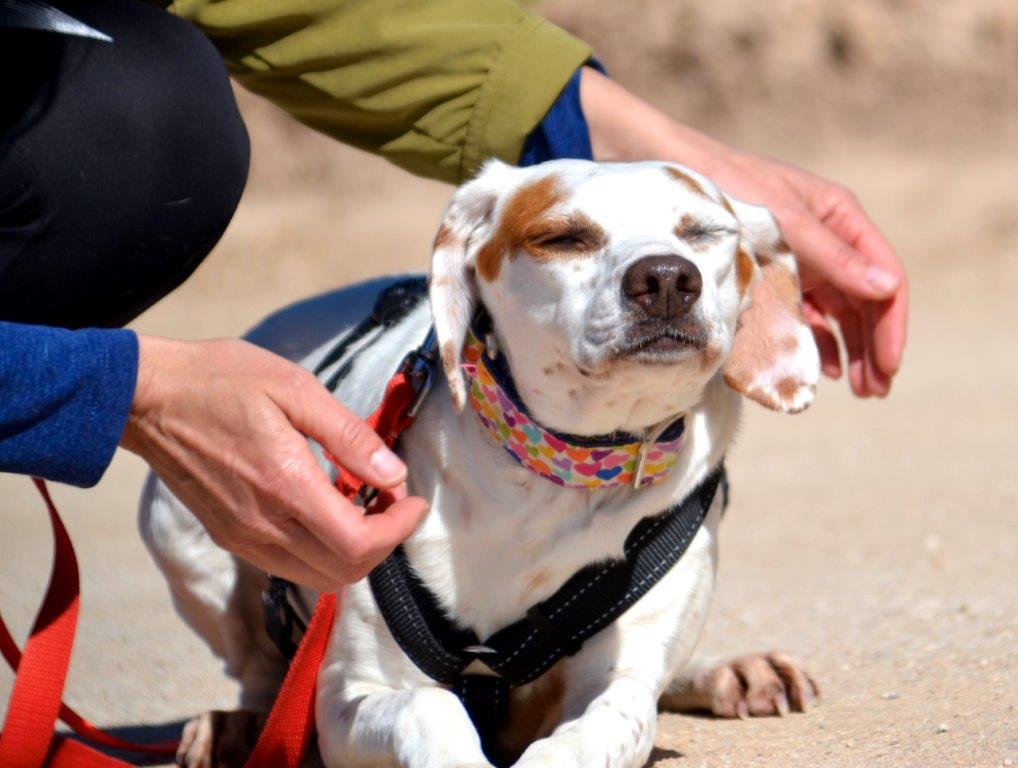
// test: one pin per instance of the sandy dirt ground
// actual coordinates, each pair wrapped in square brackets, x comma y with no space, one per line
[876,540]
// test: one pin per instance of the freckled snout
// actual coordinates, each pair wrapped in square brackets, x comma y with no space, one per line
[665,287]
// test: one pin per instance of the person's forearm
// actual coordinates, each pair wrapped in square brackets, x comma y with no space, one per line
[623,127]
[64,399]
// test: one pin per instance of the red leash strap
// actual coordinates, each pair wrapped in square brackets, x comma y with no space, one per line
[27,739]
[389,420]
[288,730]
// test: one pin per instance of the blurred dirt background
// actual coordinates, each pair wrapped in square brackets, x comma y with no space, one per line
[877,540]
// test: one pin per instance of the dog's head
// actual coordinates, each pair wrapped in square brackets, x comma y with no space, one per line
[618,291]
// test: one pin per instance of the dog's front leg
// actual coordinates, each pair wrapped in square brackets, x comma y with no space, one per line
[614,729]
[416,728]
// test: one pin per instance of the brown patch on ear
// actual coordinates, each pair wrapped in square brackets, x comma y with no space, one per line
[787,388]
[521,210]
[728,207]
[766,344]
[781,247]
[744,267]
[687,181]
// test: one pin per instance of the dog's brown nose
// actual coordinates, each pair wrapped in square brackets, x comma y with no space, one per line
[664,286]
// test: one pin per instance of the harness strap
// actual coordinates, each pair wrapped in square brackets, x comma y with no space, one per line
[588,602]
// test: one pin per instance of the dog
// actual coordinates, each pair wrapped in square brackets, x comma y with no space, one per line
[622,298]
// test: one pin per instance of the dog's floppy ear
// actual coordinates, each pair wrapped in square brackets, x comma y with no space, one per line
[452,288]
[774,358]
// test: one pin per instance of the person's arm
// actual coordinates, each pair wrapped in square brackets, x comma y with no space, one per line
[224,425]
[435,86]
[64,399]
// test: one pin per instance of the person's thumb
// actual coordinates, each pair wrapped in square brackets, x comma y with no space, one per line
[344,435]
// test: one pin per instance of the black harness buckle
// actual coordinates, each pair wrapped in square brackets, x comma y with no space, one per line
[283,625]
[419,367]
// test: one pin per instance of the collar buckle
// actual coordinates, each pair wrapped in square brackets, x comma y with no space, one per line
[645,447]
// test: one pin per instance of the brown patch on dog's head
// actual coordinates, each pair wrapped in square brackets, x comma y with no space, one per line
[700,236]
[687,181]
[687,227]
[526,205]
[442,237]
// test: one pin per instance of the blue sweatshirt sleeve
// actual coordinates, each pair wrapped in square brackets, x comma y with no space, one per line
[64,400]
[563,133]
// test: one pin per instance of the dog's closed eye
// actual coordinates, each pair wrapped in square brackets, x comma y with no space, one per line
[698,232]
[567,241]
[575,233]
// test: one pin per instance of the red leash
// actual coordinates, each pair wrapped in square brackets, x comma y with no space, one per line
[28,740]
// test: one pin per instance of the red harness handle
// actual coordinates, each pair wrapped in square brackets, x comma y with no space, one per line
[27,739]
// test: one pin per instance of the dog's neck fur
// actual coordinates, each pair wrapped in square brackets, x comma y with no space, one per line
[596,462]
[568,398]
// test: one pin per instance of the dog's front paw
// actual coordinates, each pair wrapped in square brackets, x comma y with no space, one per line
[760,685]
[219,739]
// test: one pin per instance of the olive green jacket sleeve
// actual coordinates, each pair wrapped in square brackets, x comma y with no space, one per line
[435,86]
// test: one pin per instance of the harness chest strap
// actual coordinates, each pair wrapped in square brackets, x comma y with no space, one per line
[588,602]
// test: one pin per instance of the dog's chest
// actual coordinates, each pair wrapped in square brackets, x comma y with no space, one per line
[500,538]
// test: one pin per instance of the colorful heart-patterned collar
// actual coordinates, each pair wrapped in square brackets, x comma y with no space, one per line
[572,461]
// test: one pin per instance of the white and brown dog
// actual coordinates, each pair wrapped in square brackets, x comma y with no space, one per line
[622,297]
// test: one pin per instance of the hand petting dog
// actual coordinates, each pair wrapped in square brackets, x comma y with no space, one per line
[852,280]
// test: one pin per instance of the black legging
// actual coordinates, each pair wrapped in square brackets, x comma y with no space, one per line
[120,164]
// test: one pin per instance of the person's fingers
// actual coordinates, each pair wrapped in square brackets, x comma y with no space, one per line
[877,382]
[295,538]
[827,343]
[852,225]
[339,524]
[851,334]
[343,434]
[890,329]
[276,560]
[824,256]
[389,528]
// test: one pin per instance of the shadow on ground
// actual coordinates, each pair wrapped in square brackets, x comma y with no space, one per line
[139,734]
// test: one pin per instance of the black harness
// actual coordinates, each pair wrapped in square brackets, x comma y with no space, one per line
[519,653]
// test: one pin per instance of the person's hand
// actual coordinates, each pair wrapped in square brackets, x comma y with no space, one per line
[223,423]
[852,279]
